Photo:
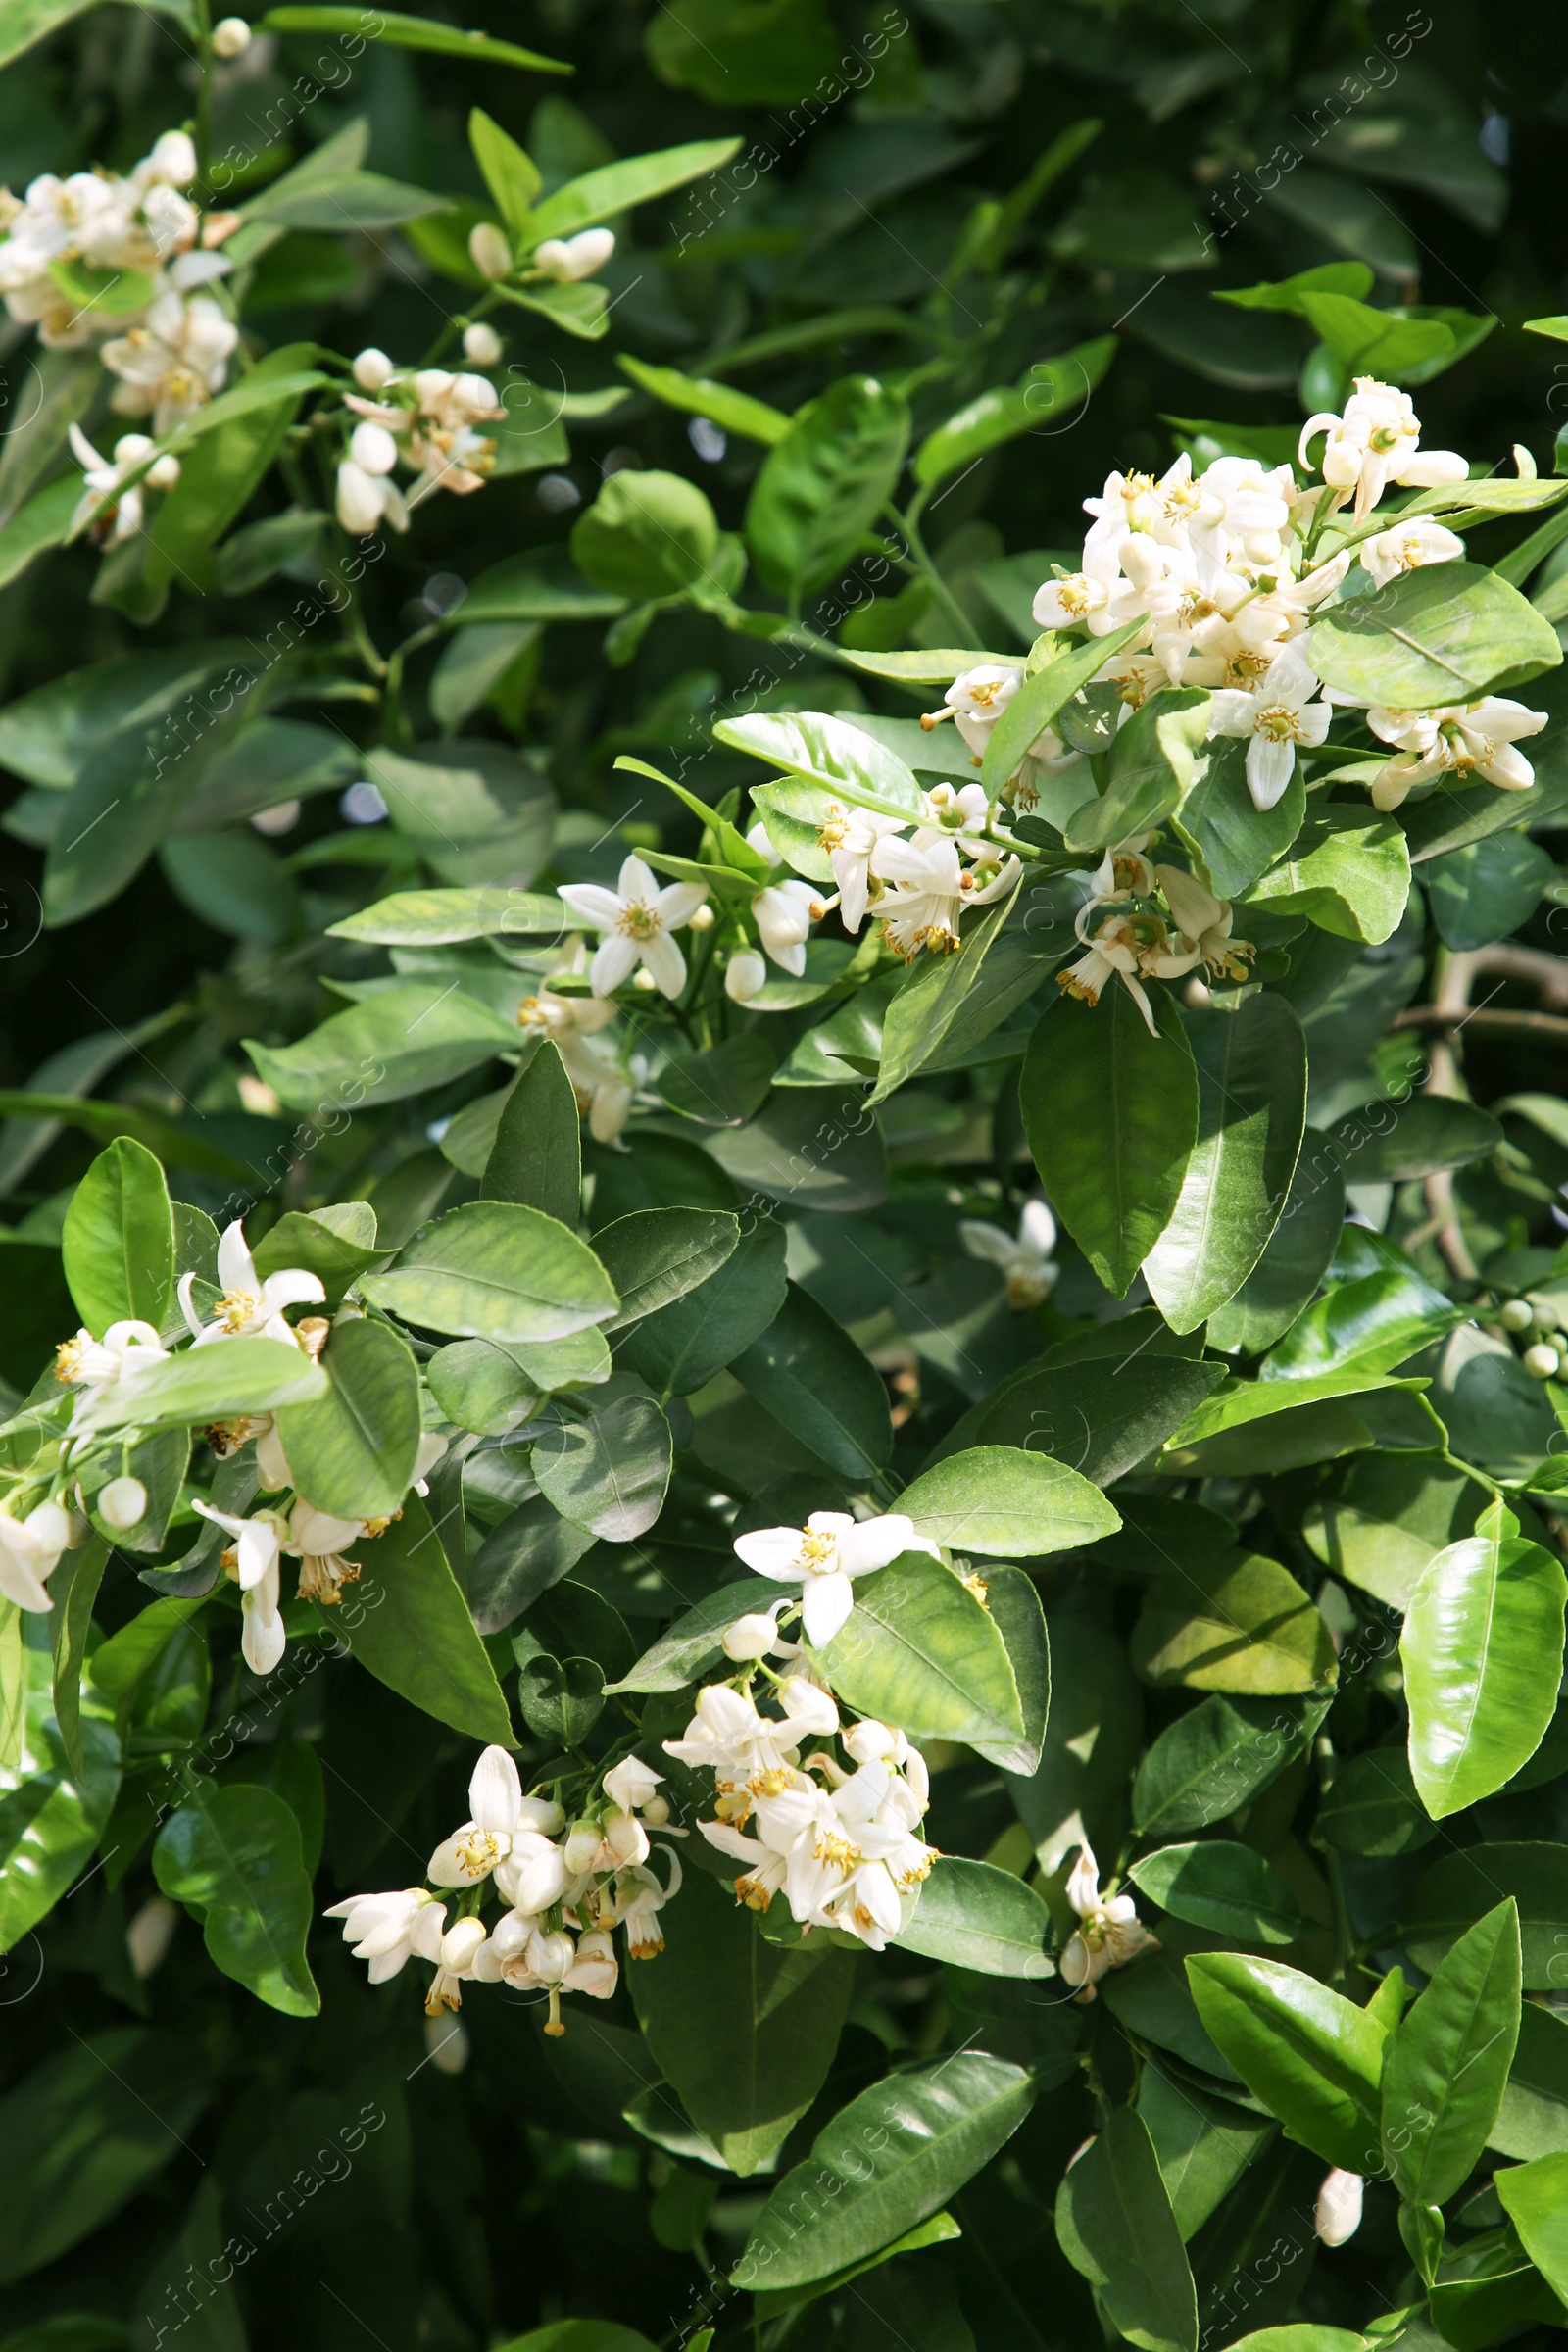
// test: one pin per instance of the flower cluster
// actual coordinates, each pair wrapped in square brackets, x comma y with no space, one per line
[247,1307]
[1144,921]
[566,1891]
[1222,572]
[1107,1934]
[839,1844]
[100,256]
[424,418]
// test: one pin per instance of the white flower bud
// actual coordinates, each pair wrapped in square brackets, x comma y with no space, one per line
[1337,2215]
[582,1847]
[131,448]
[174,160]
[489,253]
[461,1942]
[481,344]
[541,1813]
[447,2041]
[745,973]
[569,259]
[372,448]
[372,370]
[150,1935]
[162,473]
[656,1812]
[431,386]
[359,501]
[231,37]
[1541,1361]
[1516,1314]
[702,919]
[751,1636]
[123,1502]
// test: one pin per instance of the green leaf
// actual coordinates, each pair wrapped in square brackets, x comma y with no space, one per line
[931,2129]
[496,1270]
[1347,873]
[223,469]
[235,1854]
[119,1239]
[745,2030]
[1312,2058]
[531,1549]
[337,1244]
[919,1651]
[1449,2063]
[1092,1737]
[1006,1503]
[700,396]
[39,524]
[395,1043]
[725,1085]
[922,1013]
[1480,891]
[1388,1142]
[759,53]
[1250,1062]
[1374,1324]
[353,1452]
[510,173]
[1372,1807]
[969,1915]
[656,1256]
[1463,1886]
[1218,1757]
[607,1472]
[1444,634]
[840,758]
[1224,1887]
[1240,1623]
[825,483]
[1150,760]
[1231,841]
[818,1147]
[1533,2120]
[646,536]
[1039,699]
[73,1588]
[808,1373]
[680,1346]
[1204,2146]
[439,918]
[52,1814]
[616,188]
[1115,2225]
[1483,1654]
[1101,1417]
[536,1157]
[694,1640]
[1041,394]
[1295,1257]
[406,1622]
[410,32]
[1535,2197]
[82,2132]
[1112,1117]
[222,1382]
[1315,1418]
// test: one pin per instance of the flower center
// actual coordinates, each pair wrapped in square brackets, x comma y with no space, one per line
[836,832]
[236,1307]
[819,1553]
[638,921]
[836,1849]
[67,1360]
[1279,723]
[479,1851]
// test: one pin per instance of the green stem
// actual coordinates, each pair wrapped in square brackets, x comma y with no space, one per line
[204,90]
[908,522]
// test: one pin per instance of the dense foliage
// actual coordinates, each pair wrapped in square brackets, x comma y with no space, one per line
[784,1166]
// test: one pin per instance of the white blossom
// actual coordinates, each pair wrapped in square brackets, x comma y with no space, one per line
[30,1553]
[172,366]
[824,1557]
[637,919]
[1376,442]
[1461,739]
[1405,546]
[851,838]
[387,1929]
[1108,1935]
[95,1366]
[1276,715]
[248,1304]
[1024,1257]
[1337,2214]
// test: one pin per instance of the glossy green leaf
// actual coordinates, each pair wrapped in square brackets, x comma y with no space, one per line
[1240,1623]
[408,33]
[531,1549]
[1091,1739]
[923,1013]
[679,1347]
[233,1853]
[1038,700]
[406,1622]
[1313,1417]
[646,536]
[723,1086]
[1251,1112]
[1346,873]
[1232,840]
[1041,396]
[700,396]
[607,1472]
[1371,1325]
[1535,2197]
[814,1147]
[1481,1652]
[1014,1602]
[1149,761]
[1312,2058]
[1444,635]
[808,1373]
[831,752]
[222,1382]
[743,2028]
[824,484]
[973,1916]
[1388,1142]
[536,1157]
[1448,2062]
[1203,2146]
[82,2132]
[1222,1886]
[220,474]
[1112,1117]
[931,2129]
[1533,2120]
[1008,1503]
[693,1642]
[353,1450]
[338,1244]
[1100,1416]
[496,1270]
[1463,1886]
[1489,887]
[656,1256]
[917,1649]
[1372,1807]
[1115,2225]
[613,188]
[52,1814]
[1295,1257]
[119,1239]
[393,1045]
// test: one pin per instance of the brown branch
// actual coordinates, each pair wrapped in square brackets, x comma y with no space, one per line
[1521,1024]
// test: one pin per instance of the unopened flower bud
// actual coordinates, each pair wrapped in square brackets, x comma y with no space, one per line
[1516,1314]
[751,1636]
[481,344]
[1337,2215]
[461,1942]
[372,448]
[1541,1361]
[164,473]
[372,370]
[149,1936]
[123,1502]
[656,1812]
[489,253]
[702,919]
[744,975]
[447,2041]
[582,1847]
[231,37]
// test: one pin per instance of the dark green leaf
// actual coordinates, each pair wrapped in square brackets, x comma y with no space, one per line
[235,1854]
[408,1623]
[1222,1886]
[823,486]
[609,1472]
[681,1346]
[1216,1758]
[1238,1623]
[1116,2227]
[1312,2058]
[917,1649]
[496,1270]
[1481,1652]
[1449,2063]
[353,1452]
[808,1373]
[973,1916]
[1465,1886]
[536,1157]
[656,1255]
[119,1239]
